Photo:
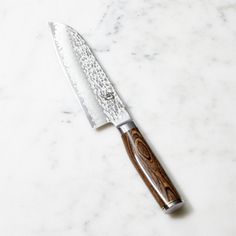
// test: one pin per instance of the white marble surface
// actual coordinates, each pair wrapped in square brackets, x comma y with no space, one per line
[174,62]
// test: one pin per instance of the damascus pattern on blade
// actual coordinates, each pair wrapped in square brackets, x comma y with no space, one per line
[74,73]
[101,86]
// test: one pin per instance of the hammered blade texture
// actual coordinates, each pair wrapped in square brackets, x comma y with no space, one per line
[75,75]
[97,95]
[101,86]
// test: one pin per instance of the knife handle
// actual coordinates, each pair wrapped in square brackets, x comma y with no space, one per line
[149,168]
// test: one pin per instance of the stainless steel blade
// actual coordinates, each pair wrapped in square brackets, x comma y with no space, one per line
[96,94]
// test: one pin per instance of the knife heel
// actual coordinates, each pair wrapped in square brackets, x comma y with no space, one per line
[149,168]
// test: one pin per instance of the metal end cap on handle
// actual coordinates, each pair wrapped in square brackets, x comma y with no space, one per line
[173,206]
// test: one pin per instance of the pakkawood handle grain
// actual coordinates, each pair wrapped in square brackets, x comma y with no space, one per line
[150,169]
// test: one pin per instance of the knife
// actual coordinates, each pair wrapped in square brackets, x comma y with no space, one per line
[102,105]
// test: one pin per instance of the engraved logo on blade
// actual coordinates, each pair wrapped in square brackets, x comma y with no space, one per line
[108,95]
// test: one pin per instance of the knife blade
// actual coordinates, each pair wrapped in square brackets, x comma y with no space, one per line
[102,104]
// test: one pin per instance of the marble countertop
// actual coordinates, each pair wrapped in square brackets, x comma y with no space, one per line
[174,63]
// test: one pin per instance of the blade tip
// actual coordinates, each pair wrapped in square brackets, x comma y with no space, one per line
[53,25]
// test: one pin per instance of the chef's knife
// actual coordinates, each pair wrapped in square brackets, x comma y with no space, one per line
[102,105]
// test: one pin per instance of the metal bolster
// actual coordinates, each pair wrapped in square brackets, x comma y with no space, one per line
[124,128]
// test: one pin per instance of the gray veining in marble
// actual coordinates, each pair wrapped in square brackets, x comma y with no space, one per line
[182,54]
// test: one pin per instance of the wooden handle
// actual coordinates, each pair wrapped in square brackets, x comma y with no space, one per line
[151,170]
